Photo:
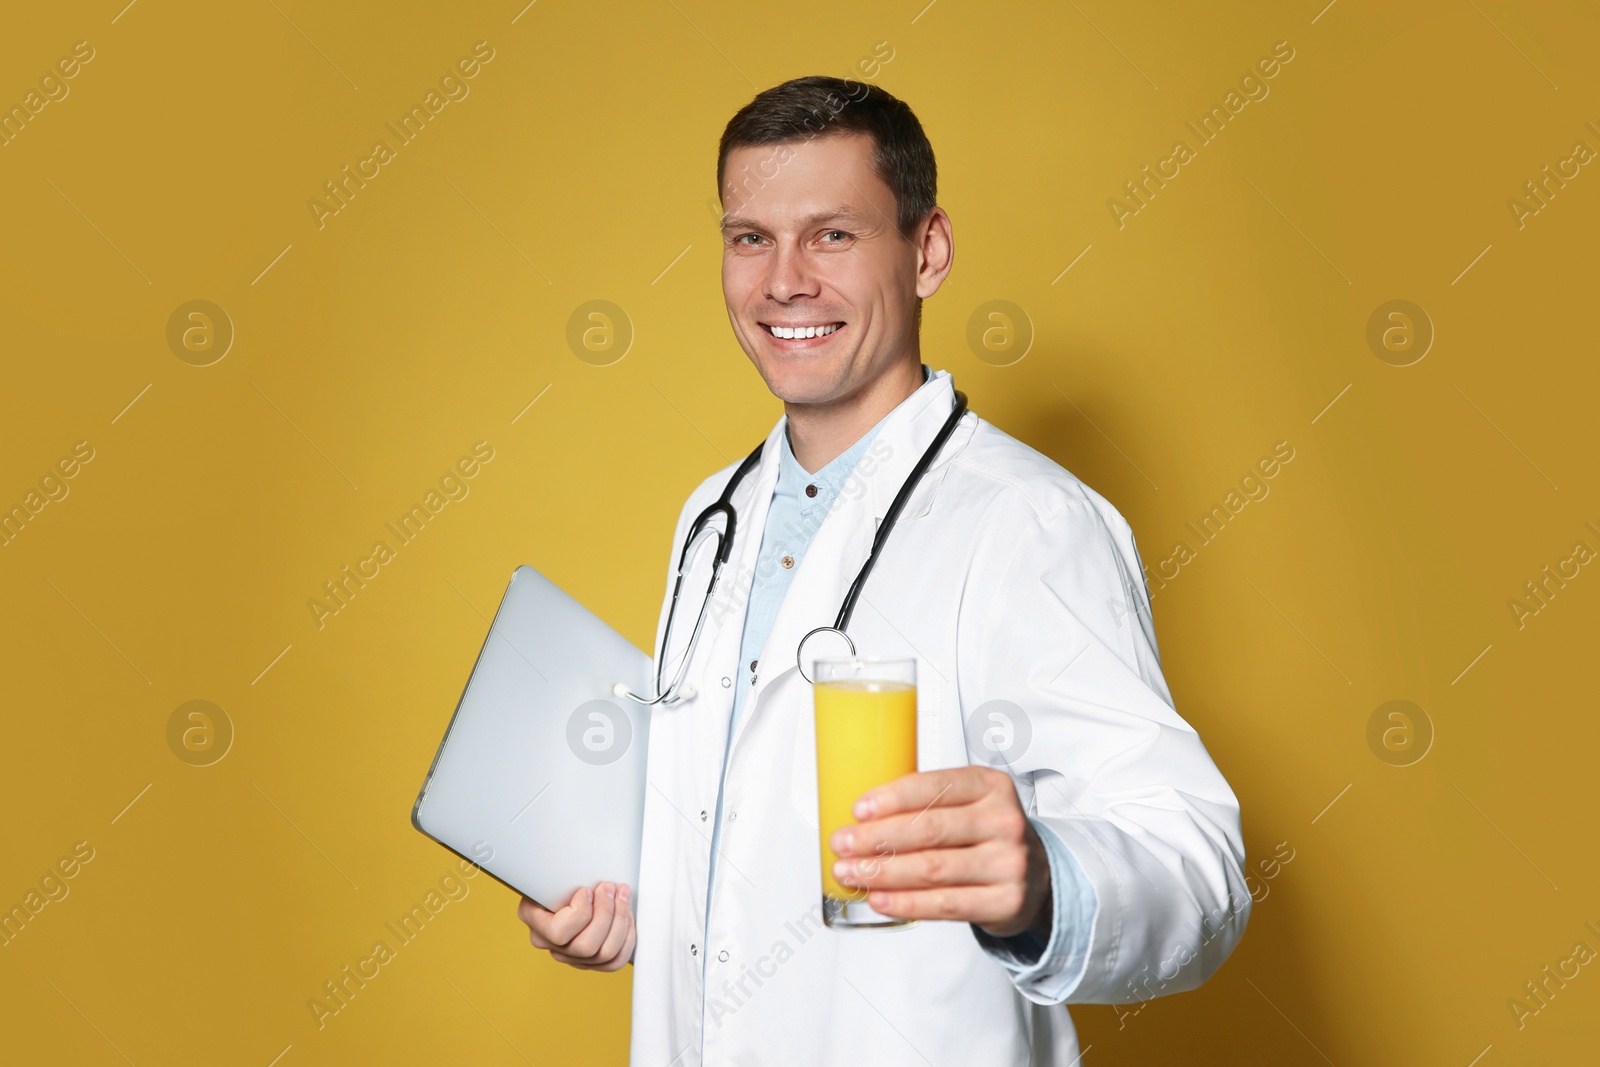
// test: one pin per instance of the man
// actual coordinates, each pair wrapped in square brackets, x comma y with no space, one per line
[1068,838]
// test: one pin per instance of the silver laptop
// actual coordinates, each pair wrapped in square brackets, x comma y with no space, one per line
[540,777]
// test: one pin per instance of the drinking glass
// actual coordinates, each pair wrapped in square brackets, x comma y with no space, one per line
[866,720]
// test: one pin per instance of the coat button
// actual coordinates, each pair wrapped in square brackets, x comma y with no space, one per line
[723,956]
[811,490]
[753,665]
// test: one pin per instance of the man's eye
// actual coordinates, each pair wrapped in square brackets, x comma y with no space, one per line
[751,236]
[842,235]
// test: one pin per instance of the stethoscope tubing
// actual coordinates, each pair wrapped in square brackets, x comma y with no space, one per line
[723,506]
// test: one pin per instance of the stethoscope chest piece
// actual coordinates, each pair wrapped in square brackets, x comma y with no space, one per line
[825,642]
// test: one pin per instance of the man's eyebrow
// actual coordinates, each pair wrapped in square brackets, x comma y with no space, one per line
[843,213]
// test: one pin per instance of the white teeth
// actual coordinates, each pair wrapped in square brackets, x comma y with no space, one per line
[799,332]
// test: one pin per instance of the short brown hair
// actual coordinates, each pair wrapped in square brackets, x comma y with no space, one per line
[815,106]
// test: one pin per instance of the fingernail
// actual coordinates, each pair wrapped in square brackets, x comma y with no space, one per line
[863,807]
[623,894]
[610,891]
[843,841]
[588,895]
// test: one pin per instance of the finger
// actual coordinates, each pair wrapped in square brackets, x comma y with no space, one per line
[535,916]
[987,863]
[587,942]
[560,927]
[996,815]
[934,828]
[632,941]
[621,923]
[916,792]
[527,908]
[591,965]
[984,905]
[601,962]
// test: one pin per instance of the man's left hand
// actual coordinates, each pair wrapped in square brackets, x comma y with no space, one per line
[948,844]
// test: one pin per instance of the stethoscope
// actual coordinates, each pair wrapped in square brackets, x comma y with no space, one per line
[723,506]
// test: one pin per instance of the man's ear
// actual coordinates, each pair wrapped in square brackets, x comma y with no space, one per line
[935,244]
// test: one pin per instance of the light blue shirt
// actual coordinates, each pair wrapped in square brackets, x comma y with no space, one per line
[800,503]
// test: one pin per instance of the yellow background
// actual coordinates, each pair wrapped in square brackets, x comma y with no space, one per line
[371,353]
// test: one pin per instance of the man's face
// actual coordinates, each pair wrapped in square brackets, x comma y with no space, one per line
[810,244]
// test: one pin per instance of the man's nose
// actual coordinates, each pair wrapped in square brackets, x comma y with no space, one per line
[790,275]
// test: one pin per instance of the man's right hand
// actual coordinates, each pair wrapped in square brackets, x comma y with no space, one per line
[593,932]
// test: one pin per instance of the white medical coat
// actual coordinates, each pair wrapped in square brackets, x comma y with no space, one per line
[1008,579]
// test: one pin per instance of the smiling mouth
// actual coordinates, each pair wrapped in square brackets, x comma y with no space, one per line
[801,333]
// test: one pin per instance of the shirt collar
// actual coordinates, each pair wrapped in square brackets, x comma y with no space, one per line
[793,479]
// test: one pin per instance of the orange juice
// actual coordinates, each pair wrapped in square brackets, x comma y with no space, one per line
[866,736]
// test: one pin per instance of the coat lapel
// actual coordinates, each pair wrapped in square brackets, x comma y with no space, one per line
[719,646]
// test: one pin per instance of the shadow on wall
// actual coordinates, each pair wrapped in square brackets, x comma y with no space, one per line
[1070,425]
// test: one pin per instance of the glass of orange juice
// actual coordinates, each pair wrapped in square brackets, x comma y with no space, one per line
[866,720]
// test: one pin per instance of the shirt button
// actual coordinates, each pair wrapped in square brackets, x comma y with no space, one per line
[732,815]
[727,682]
[702,816]
[811,490]
[694,951]
[788,561]
[723,956]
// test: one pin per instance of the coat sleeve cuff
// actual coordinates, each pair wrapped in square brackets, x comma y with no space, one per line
[1047,972]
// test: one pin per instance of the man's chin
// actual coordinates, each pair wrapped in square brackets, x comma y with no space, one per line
[802,385]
